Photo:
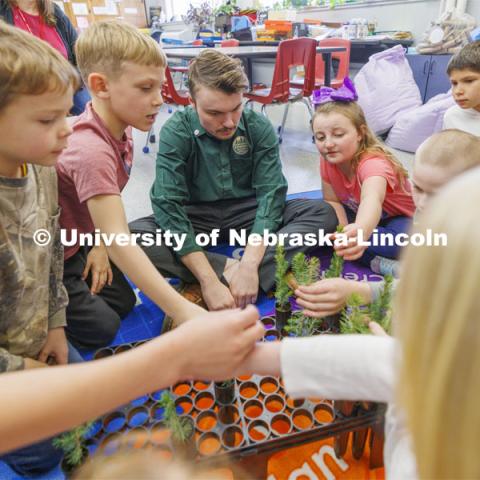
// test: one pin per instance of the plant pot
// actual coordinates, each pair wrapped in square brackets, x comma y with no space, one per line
[282,314]
[331,324]
[225,392]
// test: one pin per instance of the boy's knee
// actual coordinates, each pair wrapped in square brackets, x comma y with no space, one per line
[106,327]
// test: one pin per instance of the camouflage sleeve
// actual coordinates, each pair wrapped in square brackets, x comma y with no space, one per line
[58,297]
[9,362]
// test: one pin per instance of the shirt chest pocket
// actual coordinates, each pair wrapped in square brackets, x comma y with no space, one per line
[242,169]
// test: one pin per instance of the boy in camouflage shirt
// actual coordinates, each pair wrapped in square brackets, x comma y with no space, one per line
[36,89]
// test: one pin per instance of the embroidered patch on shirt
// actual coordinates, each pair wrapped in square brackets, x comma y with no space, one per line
[240,146]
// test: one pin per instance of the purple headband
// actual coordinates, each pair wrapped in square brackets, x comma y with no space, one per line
[346,93]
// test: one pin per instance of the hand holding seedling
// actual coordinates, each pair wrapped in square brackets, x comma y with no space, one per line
[216,345]
[55,350]
[352,251]
[329,296]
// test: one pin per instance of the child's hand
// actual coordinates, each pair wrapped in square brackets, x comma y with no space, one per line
[55,348]
[324,297]
[30,363]
[377,330]
[353,251]
[215,346]
[99,265]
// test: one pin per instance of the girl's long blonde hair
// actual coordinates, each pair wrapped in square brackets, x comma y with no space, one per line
[437,310]
[369,143]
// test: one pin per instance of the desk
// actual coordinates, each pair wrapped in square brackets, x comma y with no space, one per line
[247,53]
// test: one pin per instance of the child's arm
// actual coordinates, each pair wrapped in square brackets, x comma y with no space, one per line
[108,215]
[368,215]
[66,396]
[337,367]
[372,197]
[330,197]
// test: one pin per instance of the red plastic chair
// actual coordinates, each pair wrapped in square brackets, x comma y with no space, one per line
[171,95]
[232,42]
[291,53]
[342,57]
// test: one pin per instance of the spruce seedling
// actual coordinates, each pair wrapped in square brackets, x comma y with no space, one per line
[336,265]
[353,318]
[380,310]
[180,427]
[73,444]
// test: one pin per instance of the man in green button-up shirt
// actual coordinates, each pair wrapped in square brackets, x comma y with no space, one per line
[218,167]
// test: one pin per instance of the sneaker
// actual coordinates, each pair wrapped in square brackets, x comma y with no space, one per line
[385,266]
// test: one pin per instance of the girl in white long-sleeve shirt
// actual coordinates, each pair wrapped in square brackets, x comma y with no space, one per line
[433,387]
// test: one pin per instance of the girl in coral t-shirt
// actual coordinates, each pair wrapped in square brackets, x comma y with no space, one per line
[366,185]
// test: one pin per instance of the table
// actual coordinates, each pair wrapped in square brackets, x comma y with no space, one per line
[247,53]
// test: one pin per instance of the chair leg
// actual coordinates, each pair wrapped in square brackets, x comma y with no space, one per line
[284,119]
[306,102]
[146,148]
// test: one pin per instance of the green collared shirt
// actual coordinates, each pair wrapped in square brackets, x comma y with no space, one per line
[194,167]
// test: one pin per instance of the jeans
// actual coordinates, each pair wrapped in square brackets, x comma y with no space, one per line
[41,457]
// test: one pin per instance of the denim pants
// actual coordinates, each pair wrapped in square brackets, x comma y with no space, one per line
[41,457]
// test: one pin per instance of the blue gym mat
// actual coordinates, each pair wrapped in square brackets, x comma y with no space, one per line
[145,320]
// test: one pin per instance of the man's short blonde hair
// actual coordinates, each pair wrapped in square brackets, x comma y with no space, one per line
[105,46]
[29,66]
[215,70]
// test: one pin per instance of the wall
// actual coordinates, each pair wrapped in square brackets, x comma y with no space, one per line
[414,16]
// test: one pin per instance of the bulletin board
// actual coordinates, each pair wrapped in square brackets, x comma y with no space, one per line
[84,12]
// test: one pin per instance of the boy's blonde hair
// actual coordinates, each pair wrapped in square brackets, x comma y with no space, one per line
[436,309]
[104,46]
[215,70]
[29,66]
[369,143]
[452,150]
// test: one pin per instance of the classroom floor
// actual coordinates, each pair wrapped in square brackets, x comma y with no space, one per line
[301,168]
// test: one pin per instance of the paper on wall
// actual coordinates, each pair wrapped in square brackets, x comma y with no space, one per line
[130,11]
[82,22]
[110,8]
[79,8]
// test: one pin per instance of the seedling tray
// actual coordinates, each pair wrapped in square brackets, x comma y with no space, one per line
[262,419]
